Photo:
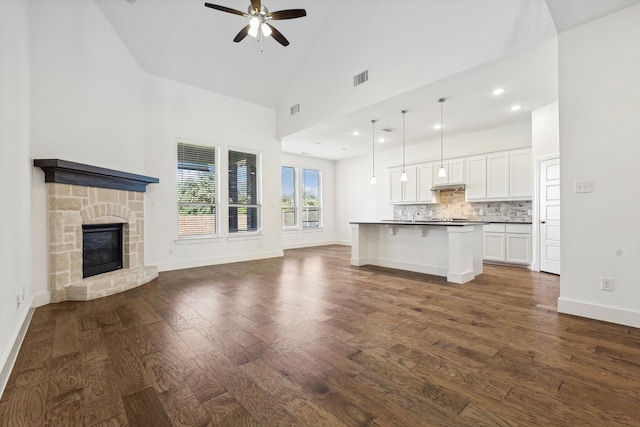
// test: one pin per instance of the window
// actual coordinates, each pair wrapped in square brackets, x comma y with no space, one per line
[288,184]
[197,183]
[244,196]
[311,202]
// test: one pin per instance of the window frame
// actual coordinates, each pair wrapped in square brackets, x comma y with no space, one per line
[320,201]
[295,199]
[258,205]
[216,190]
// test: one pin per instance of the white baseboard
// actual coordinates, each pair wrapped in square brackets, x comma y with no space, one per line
[41,299]
[180,265]
[599,312]
[5,371]
[310,244]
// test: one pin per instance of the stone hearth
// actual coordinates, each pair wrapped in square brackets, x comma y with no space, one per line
[69,206]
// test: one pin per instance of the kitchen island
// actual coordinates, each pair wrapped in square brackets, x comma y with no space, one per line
[452,249]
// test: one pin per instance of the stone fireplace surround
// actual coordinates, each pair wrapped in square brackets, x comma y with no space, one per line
[76,195]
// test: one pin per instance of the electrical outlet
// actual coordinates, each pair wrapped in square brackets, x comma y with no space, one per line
[481,212]
[582,186]
[607,284]
[170,251]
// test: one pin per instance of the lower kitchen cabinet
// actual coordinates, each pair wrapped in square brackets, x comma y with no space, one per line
[509,243]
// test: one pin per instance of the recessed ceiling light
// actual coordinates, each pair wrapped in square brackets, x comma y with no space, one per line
[381,140]
[356,133]
[498,91]
[437,126]
[516,107]
[344,149]
[318,143]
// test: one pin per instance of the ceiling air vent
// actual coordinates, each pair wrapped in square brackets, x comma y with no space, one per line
[295,109]
[388,130]
[361,78]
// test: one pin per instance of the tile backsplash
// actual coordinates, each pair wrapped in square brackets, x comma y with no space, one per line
[453,205]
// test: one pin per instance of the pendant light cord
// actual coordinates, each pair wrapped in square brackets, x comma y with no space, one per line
[403,140]
[373,148]
[441,100]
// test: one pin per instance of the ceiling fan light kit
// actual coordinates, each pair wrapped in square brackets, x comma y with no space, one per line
[259,16]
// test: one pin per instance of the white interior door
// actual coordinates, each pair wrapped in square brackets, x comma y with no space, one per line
[550,216]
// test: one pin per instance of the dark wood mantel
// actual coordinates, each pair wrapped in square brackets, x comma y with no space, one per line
[66,172]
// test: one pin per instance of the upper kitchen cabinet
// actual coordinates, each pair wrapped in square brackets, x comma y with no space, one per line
[500,176]
[476,182]
[403,192]
[425,182]
[455,172]
[520,181]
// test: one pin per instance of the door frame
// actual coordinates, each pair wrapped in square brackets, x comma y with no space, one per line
[535,219]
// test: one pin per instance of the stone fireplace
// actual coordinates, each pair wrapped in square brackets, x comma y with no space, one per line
[80,195]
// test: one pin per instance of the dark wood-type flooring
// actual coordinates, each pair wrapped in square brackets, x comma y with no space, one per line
[308,340]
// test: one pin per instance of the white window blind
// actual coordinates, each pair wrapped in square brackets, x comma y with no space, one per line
[244,192]
[197,184]
[288,187]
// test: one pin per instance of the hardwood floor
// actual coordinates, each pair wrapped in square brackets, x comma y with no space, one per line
[308,340]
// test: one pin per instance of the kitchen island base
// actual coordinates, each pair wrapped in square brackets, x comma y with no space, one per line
[452,251]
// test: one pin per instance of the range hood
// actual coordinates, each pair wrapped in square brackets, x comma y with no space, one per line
[448,187]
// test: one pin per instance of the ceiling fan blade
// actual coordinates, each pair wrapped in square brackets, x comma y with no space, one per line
[242,34]
[255,4]
[288,14]
[226,9]
[277,35]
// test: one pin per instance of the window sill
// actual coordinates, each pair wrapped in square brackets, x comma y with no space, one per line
[245,236]
[190,240]
[312,230]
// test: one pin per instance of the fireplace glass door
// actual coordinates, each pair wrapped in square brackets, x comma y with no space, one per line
[101,248]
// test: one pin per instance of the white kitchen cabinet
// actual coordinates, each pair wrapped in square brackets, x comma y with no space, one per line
[424,173]
[520,180]
[476,178]
[498,176]
[509,243]
[503,175]
[455,171]
[403,192]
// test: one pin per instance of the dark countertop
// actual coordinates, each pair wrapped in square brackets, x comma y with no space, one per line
[421,222]
[443,223]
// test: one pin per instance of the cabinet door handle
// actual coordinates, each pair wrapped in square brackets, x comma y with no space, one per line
[543,222]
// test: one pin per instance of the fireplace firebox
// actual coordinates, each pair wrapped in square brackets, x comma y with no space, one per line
[101,248]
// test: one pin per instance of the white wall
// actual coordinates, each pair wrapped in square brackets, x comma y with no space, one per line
[87,104]
[599,88]
[358,200]
[175,111]
[297,238]
[15,179]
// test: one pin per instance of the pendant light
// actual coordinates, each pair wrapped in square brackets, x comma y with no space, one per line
[403,176]
[373,152]
[442,172]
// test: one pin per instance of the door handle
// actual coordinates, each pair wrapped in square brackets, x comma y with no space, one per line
[543,222]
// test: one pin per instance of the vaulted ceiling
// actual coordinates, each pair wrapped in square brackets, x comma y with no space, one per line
[415,52]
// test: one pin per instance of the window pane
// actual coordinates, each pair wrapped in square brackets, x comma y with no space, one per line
[244,185]
[288,184]
[242,219]
[311,198]
[196,179]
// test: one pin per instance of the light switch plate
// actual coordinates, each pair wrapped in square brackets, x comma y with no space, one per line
[582,186]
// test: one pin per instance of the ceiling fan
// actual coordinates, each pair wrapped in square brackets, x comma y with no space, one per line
[259,16]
